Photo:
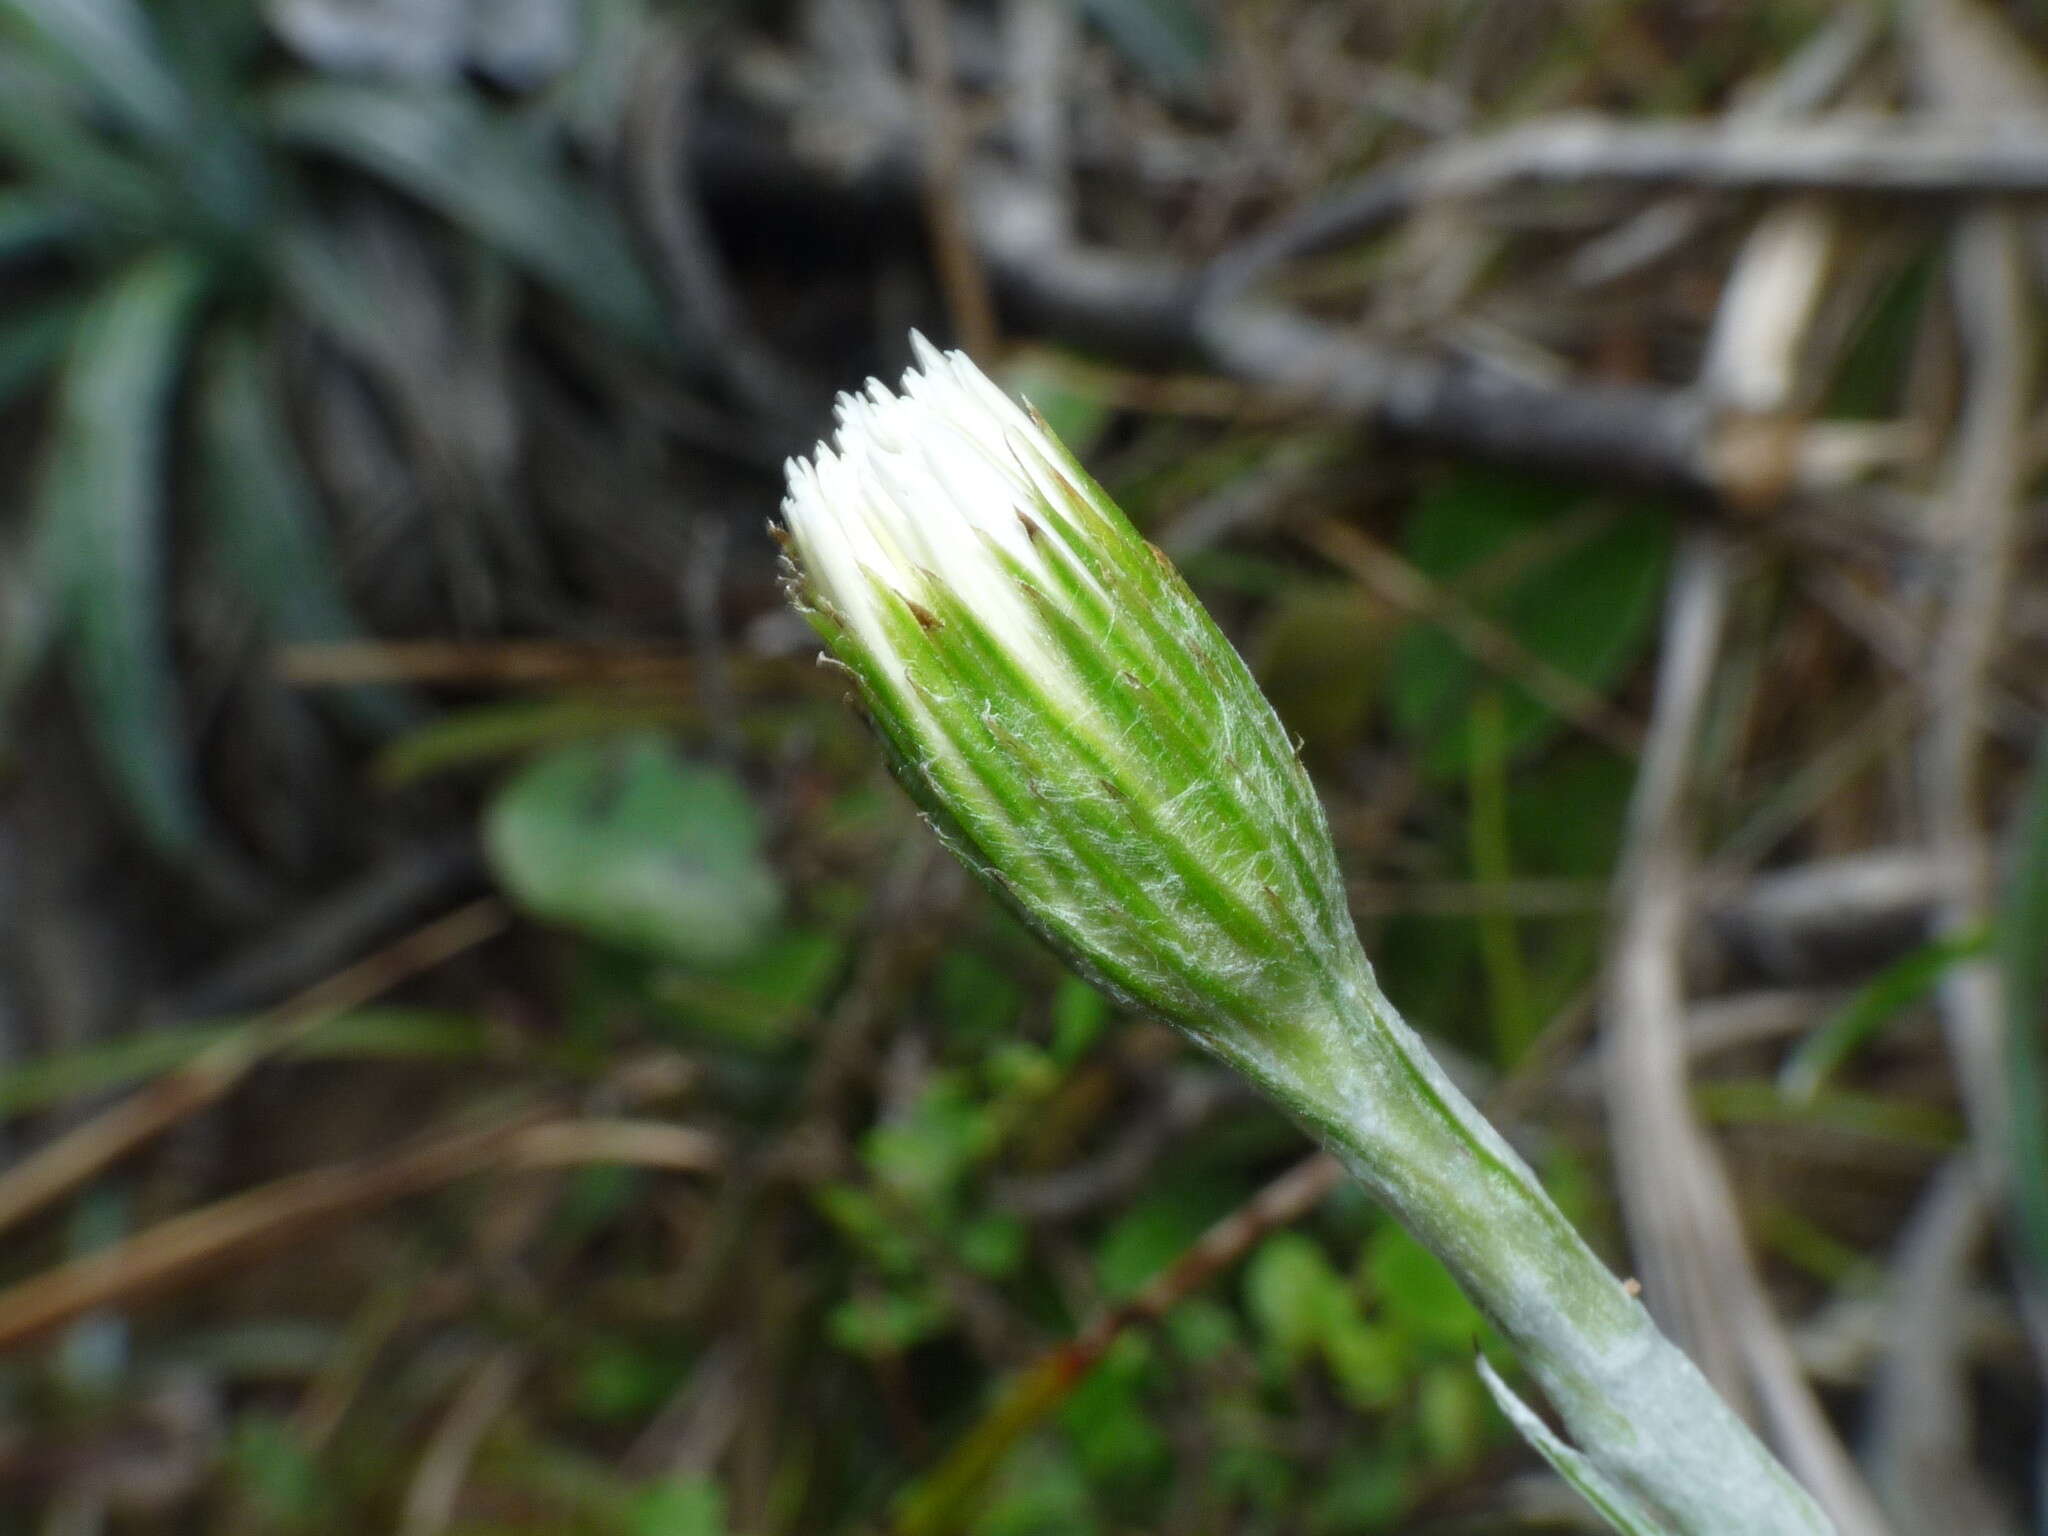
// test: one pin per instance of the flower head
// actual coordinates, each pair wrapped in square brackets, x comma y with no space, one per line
[1066,714]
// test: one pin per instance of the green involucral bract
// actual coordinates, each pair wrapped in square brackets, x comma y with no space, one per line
[1081,735]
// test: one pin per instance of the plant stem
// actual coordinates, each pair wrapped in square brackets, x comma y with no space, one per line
[1642,1414]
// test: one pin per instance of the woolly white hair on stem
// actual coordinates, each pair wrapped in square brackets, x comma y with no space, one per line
[1078,731]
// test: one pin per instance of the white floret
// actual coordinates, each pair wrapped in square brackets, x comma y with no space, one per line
[921,487]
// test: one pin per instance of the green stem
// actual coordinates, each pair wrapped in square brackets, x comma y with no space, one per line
[1643,1416]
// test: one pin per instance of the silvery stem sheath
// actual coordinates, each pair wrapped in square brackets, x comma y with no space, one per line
[1079,733]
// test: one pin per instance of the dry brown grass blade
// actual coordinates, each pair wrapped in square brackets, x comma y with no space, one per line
[496,663]
[59,1167]
[186,1248]
[260,1220]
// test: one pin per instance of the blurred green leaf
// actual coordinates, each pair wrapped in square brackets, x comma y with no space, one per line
[2023,955]
[109,44]
[102,504]
[922,1155]
[29,221]
[487,177]
[689,1505]
[266,515]
[1167,39]
[1295,1297]
[762,1000]
[1043,1492]
[878,1323]
[1418,1294]
[1904,1121]
[1079,1016]
[1106,1417]
[1077,418]
[277,1475]
[466,737]
[624,841]
[1874,1005]
[1152,1234]
[44,128]
[1587,609]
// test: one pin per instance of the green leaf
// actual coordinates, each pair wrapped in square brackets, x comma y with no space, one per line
[1616,1505]
[45,128]
[1418,1294]
[1588,609]
[1298,1301]
[108,44]
[625,842]
[488,178]
[468,737]
[2023,955]
[760,1001]
[1863,1017]
[688,1505]
[102,509]
[1079,1016]
[30,221]
[266,515]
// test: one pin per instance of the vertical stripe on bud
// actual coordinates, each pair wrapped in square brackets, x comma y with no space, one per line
[1062,708]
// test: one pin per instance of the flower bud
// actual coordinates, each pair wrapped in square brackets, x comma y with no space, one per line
[1070,720]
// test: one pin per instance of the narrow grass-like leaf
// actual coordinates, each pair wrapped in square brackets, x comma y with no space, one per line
[109,45]
[43,127]
[266,515]
[483,175]
[368,1034]
[485,733]
[1864,1016]
[111,48]
[102,508]
[30,221]
[1614,1504]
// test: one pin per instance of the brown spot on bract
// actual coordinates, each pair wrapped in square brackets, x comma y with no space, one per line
[926,619]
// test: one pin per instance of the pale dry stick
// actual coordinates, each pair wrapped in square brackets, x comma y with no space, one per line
[55,1169]
[1845,153]
[1393,580]
[183,1248]
[1808,82]
[430,1499]
[1682,1215]
[1921,1418]
[1970,62]
[969,301]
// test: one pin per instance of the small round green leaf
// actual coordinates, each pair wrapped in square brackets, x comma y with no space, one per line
[624,841]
